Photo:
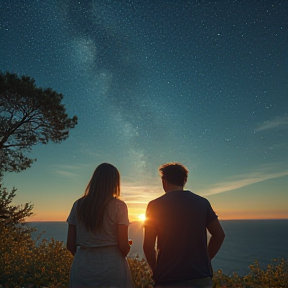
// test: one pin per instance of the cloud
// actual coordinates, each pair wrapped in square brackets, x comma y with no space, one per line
[66,173]
[275,123]
[69,171]
[242,181]
[140,194]
[68,167]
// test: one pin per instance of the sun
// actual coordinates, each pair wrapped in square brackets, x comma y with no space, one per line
[142,217]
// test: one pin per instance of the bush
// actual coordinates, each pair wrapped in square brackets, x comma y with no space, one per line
[274,276]
[27,263]
[141,272]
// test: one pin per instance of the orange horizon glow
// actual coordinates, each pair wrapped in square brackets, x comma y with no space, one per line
[137,218]
[252,215]
[234,219]
[138,214]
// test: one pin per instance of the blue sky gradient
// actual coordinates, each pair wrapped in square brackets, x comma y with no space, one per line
[203,83]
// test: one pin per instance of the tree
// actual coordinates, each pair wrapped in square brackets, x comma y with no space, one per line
[28,115]
[27,260]
[11,216]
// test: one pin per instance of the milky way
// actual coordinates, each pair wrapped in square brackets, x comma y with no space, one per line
[199,82]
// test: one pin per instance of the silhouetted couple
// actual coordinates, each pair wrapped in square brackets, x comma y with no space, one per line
[176,221]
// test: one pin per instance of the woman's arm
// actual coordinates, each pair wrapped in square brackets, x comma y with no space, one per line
[71,239]
[123,239]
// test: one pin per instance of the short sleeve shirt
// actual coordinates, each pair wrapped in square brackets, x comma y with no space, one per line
[116,213]
[180,219]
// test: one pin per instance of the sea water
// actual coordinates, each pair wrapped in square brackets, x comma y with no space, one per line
[245,242]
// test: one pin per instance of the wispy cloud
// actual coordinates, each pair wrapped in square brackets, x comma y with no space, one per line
[274,123]
[69,171]
[67,167]
[66,173]
[243,180]
[91,153]
[140,194]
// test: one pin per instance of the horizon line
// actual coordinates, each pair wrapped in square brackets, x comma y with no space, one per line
[235,219]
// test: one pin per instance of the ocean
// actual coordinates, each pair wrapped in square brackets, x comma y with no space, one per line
[245,242]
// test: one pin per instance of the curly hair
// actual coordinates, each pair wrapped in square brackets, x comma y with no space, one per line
[174,173]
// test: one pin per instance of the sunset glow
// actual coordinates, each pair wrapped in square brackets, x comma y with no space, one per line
[142,217]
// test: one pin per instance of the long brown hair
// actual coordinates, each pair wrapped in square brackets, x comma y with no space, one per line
[102,187]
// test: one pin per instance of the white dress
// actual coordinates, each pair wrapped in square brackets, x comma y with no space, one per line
[98,261]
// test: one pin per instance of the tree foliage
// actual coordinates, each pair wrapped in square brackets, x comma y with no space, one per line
[13,216]
[28,115]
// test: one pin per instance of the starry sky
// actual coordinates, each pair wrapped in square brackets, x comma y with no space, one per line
[203,83]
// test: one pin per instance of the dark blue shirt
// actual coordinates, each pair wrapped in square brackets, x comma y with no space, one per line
[180,218]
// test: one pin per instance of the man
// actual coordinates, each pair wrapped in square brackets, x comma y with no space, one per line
[177,222]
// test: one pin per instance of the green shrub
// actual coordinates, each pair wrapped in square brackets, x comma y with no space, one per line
[28,263]
[141,272]
[274,276]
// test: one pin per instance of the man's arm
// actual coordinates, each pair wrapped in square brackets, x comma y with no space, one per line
[71,239]
[217,237]
[150,235]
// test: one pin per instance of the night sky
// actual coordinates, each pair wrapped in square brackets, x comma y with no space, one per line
[204,83]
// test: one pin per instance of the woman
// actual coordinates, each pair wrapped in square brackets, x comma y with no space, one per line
[98,233]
